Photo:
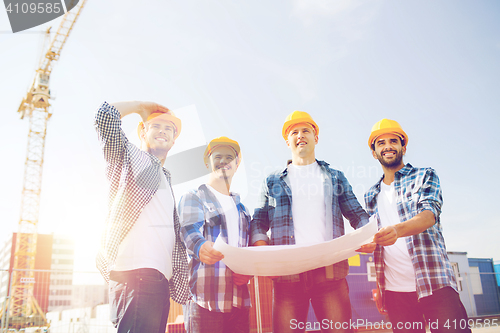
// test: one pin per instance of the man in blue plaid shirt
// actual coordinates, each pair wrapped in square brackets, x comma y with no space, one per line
[415,277]
[221,300]
[305,204]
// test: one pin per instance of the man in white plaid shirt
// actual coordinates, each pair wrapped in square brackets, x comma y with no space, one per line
[141,253]
[414,274]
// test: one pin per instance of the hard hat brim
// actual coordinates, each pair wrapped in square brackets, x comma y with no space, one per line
[391,130]
[167,117]
[222,141]
[292,122]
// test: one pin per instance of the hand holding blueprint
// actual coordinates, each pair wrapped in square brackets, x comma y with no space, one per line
[281,260]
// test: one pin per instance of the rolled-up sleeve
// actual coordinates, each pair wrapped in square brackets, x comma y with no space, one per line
[430,196]
[108,126]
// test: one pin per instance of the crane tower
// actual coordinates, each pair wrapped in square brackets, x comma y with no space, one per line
[22,309]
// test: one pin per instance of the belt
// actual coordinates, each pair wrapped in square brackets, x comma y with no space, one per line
[125,276]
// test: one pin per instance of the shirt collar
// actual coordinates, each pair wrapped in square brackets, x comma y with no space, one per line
[322,164]
[234,195]
[403,171]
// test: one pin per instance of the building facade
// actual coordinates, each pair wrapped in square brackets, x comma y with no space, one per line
[53,277]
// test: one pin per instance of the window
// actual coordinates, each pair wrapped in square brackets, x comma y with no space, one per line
[457,275]
[371,272]
[62,251]
[62,261]
[475,279]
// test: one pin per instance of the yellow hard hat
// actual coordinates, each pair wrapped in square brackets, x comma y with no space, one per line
[297,117]
[387,126]
[168,116]
[221,141]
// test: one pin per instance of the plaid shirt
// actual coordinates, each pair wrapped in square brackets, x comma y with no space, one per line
[202,219]
[274,212]
[417,189]
[134,177]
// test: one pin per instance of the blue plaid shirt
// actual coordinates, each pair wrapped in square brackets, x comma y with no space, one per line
[417,189]
[202,219]
[274,212]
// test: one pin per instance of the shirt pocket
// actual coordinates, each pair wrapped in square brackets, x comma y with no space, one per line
[411,196]
[212,218]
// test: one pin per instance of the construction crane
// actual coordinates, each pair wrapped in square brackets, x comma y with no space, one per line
[22,309]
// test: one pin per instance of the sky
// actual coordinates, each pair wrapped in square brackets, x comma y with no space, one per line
[238,69]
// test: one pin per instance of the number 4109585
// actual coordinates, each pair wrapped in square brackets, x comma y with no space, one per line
[471,323]
[32,8]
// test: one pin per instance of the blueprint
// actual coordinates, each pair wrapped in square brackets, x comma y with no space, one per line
[281,260]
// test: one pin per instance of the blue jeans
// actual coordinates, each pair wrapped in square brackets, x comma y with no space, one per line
[202,320]
[139,301]
[329,299]
[442,311]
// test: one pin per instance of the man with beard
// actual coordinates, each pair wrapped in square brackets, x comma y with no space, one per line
[305,203]
[141,255]
[221,299]
[415,277]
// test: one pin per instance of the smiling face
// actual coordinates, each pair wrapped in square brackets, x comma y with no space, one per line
[222,162]
[158,137]
[389,151]
[302,140]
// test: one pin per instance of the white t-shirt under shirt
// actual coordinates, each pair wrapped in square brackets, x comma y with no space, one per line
[231,214]
[308,203]
[399,272]
[150,242]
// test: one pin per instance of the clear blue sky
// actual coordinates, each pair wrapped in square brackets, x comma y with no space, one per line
[244,66]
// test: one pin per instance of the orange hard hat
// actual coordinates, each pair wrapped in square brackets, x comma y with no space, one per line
[168,116]
[387,126]
[297,117]
[221,141]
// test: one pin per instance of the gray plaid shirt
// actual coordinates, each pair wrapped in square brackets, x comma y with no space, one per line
[134,177]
